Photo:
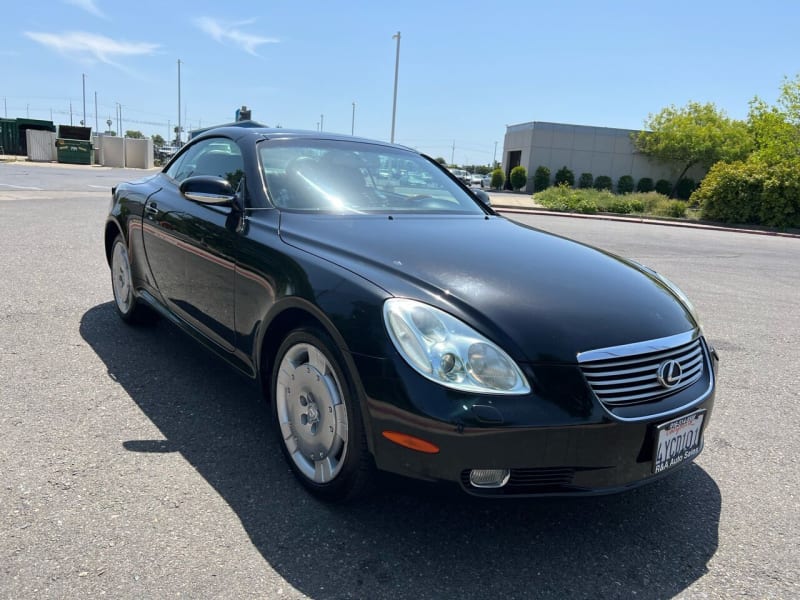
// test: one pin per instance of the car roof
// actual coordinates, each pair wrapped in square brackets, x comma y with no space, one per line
[239,133]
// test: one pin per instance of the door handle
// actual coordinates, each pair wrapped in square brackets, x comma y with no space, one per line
[151,209]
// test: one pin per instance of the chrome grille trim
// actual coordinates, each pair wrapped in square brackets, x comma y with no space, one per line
[625,375]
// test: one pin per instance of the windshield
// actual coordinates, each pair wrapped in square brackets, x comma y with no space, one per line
[347,176]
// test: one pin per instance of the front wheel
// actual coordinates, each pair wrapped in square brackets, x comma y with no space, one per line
[125,300]
[318,417]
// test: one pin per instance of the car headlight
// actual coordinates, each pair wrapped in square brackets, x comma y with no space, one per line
[445,350]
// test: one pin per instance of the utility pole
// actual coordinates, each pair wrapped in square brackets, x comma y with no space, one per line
[70,112]
[96,122]
[494,156]
[453,153]
[396,69]
[353,120]
[321,122]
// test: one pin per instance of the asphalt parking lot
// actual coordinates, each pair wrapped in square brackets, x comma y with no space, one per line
[135,465]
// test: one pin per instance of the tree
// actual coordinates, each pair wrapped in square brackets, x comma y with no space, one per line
[158,141]
[603,182]
[776,129]
[585,181]
[541,178]
[645,184]
[441,160]
[625,184]
[134,134]
[697,134]
[565,176]
[498,179]
[518,177]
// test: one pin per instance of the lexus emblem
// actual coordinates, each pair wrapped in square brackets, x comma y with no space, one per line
[670,373]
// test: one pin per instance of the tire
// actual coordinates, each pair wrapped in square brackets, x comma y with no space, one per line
[128,307]
[318,418]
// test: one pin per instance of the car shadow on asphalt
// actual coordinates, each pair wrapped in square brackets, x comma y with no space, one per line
[408,540]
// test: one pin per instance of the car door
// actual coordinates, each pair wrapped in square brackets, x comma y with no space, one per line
[191,246]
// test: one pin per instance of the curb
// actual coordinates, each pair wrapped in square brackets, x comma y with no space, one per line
[644,221]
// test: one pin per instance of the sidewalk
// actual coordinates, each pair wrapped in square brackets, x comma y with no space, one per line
[524,204]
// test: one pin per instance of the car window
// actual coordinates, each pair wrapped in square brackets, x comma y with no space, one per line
[345,176]
[215,157]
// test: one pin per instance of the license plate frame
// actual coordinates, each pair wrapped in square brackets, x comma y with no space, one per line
[678,440]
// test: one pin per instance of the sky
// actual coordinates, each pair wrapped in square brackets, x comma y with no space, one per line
[466,69]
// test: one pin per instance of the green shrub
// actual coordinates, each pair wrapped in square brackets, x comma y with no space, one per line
[585,181]
[671,208]
[636,205]
[619,206]
[603,182]
[519,177]
[752,191]
[644,202]
[684,188]
[561,198]
[780,201]
[645,184]
[541,178]
[625,184]
[731,193]
[565,176]
[663,186]
[566,199]
[498,179]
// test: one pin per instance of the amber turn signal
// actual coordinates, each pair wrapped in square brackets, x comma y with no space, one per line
[409,441]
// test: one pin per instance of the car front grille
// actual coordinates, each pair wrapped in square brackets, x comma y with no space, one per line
[643,372]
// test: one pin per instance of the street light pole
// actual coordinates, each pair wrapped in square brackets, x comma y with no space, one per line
[96,122]
[322,122]
[178,134]
[494,156]
[353,121]
[83,78]
[396,69]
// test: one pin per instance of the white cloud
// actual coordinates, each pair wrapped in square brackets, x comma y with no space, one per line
[90,46]
[89,6]
[224,32]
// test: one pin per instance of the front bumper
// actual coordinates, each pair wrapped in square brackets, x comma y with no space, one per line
[560,442]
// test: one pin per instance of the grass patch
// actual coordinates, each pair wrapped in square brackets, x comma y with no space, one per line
[590,201]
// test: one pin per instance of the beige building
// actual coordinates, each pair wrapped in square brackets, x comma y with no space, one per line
[583,149]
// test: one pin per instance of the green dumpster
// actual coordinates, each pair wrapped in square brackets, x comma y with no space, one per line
[9,137]
[73,145]
[74,152]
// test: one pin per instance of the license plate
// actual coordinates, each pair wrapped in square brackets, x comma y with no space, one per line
[678,440]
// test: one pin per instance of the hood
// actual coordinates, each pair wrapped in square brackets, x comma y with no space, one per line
[539,296]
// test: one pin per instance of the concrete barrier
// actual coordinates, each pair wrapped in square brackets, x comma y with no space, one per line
[41,145]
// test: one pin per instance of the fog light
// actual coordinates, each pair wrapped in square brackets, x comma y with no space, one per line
[489,478]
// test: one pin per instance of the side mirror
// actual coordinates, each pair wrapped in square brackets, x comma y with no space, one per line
[208,190]
[482,196]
